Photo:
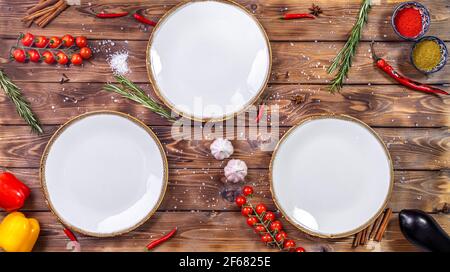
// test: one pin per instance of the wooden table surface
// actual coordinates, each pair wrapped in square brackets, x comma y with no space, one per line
[413,125]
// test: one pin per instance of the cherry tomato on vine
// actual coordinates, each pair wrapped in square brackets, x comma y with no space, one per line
[251,221]
[299,249]
[259,228]
[247,190]
[62,58]
[240,200]
[86,52]
[68,40]
[269,216]
[34,55]
[280,236]
[266,238]
[19,55]
[54,42]
[289,244]
[260,208]
[276,226]
[81,41]
[76,59]
[48,57]
[27,39]
[41,41]
[246,211]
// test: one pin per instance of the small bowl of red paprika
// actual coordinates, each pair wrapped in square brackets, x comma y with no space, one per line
[411,20]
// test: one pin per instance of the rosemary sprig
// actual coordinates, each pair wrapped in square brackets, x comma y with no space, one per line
[131,91]
[343,60]
[22,106]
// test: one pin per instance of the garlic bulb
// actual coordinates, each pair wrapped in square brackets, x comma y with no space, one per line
[221,148]
[235,171]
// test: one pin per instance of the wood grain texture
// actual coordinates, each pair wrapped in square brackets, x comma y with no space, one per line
[204,190]
[410,148]
[381,105]
[293,63]
[210,231]
[333,24]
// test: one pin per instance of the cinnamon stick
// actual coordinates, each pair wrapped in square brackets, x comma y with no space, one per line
[38,13]
[41,5]
[62,5]
[357,239]
[365,236]
[30,22]
[383,225]
[376,225]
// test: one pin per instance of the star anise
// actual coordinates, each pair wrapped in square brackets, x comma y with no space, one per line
[297,99]
[315,10]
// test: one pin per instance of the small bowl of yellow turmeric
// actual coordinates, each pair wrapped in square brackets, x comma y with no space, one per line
[429,54]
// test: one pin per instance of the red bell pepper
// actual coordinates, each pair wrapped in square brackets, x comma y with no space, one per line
[13,192]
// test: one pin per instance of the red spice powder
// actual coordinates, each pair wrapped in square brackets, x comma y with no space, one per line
[408,22]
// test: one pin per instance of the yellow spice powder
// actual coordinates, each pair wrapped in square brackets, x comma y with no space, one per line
[426,55]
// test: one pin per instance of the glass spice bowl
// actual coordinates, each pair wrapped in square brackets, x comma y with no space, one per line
[444,54]
[425,14]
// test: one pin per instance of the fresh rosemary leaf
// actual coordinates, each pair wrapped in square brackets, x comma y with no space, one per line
[23,108]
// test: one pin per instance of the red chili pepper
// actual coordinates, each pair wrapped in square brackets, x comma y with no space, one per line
[161,240]
[417,86]
[13,192]
[139,17]
[290,16]
[70,235]
[111,15]
[260,113]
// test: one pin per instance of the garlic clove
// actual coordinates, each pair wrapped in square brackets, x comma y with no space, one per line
[221,149]
[235,171]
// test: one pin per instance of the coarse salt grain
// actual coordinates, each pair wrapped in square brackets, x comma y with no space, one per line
[119,63]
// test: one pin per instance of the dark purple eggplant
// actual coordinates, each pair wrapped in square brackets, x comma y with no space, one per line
[421,229]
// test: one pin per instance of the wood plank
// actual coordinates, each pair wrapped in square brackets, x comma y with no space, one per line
[376,105]
[203,190]
[410,148]
[293,63]
[210,231]
[333,24]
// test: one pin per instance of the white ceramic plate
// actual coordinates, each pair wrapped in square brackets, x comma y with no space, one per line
[104,173]
[331,176]
[208,60]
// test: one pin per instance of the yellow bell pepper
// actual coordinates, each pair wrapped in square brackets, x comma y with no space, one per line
[18,233]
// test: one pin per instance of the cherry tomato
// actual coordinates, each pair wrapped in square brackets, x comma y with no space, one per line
[266,238]
[269,216]
[299,249]
[34,55]
[41,42]
[81,41]
[247,190]
[289,244]
[280,236]
[19,55]
[276,226]
[86,52]
[251,221]
[54,42]
[246,211]
[27,39]
[260,208]
[76,59]
[68,40]
[48,57]
[241,200]
[62,58]
[259,228]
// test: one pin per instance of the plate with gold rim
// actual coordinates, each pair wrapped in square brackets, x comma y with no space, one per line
[331,175]
[208,59]
[104,173]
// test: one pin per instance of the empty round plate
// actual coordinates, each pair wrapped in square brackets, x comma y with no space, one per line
[208,60]
[104,173]
[331,176]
